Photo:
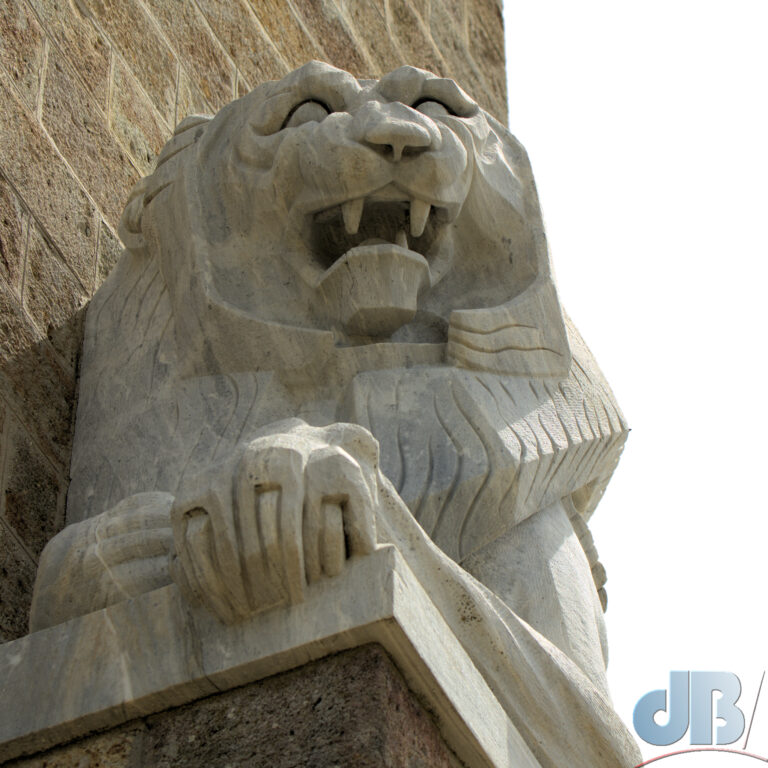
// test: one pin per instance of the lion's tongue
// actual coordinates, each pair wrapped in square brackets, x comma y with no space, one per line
[401,239]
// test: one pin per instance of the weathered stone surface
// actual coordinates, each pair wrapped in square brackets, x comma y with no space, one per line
[45,184]
[423,9]
[81,134]
[351,709]
[17,577]
[141,46]
[21,48]
[457,10]
[239,31]
[109,251]
[412,37]
[285,31]
[190,100]
[370,28]
[55,299]
[488,14]
[31,378]
[13,232]
[243,86]
[114,749]
[326,24]
[486,46]
[200,53]
[32,501]
[134,121]
[80,42]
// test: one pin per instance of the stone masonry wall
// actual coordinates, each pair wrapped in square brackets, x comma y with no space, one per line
[89,92]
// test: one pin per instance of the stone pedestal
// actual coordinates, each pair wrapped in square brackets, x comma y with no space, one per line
[365,672]
[349,709]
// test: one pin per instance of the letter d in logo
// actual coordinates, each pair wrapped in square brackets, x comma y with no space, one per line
[656,701]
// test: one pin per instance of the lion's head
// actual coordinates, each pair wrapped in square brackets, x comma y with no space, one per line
[377,221]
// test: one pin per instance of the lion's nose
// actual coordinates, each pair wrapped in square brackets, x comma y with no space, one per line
[393,130]
[396,135]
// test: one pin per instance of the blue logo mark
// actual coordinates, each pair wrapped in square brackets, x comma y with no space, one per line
[690,702]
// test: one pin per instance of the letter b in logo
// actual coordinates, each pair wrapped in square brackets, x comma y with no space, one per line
[702,686]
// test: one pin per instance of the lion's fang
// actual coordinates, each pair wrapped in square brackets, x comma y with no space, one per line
[352,210]
[419,215]
[401,239]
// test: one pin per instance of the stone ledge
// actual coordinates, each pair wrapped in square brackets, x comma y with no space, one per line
[98,671]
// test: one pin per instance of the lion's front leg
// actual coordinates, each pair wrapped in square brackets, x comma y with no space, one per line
[293,508]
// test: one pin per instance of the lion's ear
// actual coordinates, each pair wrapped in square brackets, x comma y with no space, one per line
[129,228]
[169,162]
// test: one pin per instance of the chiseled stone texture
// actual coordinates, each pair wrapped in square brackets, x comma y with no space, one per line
[351,709]
[89,91]
[32,491]
[17,577]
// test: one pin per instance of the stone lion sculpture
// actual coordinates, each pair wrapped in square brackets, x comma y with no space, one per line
[335,328]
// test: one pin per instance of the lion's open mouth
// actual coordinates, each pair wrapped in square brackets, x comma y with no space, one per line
[409,223]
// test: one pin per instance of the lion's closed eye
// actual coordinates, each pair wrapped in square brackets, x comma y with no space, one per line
[307,111]
[433,108]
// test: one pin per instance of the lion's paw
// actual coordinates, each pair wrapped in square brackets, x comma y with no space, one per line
[293,508]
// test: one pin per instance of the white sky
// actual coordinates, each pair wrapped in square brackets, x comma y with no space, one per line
[647,127]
